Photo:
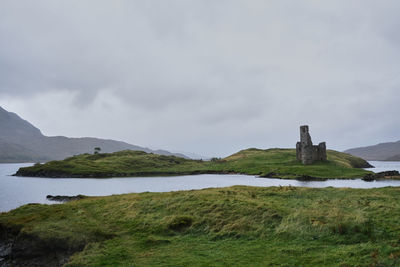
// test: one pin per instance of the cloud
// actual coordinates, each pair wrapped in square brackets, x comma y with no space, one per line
[205,76]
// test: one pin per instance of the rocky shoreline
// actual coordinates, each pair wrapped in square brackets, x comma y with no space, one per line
[382,175]
[54,174]
[298,178]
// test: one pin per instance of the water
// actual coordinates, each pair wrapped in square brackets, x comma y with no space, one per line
[381,166]
[17,191]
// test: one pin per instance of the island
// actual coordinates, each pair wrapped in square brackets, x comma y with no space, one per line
[306,162]
[272,163]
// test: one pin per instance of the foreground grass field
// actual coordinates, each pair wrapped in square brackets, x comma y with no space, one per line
[280,163]
[237,226]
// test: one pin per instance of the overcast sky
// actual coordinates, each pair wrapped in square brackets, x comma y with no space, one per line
[210,77]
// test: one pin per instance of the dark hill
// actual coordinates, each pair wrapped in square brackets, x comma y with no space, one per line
[20,141]
[385,151]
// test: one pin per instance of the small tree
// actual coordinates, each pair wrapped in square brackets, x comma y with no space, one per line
[97,150]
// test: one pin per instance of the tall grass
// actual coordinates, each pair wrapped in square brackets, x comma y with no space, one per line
[226,226]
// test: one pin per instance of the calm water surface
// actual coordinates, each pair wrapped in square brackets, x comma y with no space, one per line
[17,191]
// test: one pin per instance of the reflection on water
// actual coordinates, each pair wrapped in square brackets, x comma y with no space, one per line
[17,191]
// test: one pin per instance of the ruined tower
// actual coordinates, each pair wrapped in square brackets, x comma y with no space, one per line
[306,152]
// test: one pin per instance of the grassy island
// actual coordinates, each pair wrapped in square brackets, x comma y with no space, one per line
[279,163]
[236,226]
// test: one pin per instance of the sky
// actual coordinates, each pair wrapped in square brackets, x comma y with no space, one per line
[209,77]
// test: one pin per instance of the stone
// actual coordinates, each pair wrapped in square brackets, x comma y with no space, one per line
[306,152]
[64,198]
[381,175]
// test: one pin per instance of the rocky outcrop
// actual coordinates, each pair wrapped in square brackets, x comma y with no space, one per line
[302,177]
[64,198]
[382,175]
[21,249]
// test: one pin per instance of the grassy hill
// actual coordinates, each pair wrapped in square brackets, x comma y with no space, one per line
[236,226]
[271,162]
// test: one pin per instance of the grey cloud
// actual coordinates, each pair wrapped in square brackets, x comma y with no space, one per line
[213,75]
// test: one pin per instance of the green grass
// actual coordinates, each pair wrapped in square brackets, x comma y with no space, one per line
[252,161]
[236,226]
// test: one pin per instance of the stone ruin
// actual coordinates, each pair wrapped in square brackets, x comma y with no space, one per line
[306,152]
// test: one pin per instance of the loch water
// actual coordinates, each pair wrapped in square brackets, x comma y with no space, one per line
[17,191]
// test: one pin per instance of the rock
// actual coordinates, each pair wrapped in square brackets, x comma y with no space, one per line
[369,177]
[381,175]
[5,250]
[64,198]
[389,173]
[18,248]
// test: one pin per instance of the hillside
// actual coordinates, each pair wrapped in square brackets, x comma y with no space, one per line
[20,141]
[385,151]
[270,163]
[236,226]
[394,158]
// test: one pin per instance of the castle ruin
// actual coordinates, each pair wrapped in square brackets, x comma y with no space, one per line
[306,152]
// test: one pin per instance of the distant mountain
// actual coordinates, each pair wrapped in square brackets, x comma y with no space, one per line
[384,151]
[20,141]
[394,158]
[194,155]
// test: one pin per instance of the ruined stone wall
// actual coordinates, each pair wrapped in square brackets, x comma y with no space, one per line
[298,151]
[306,152]
[322,151]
